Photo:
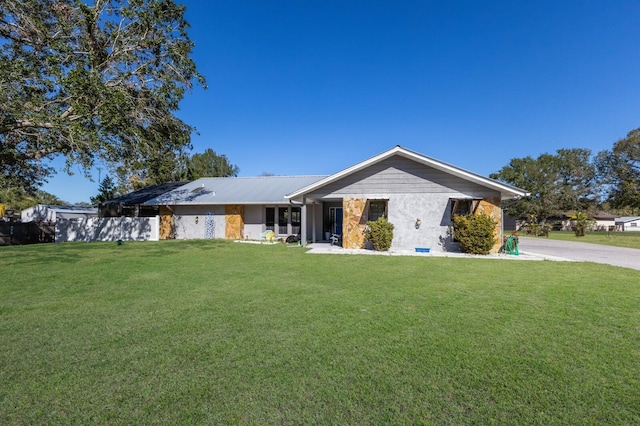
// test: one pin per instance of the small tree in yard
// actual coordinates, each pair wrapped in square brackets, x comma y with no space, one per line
[581,223]
[380,233]
[475,233]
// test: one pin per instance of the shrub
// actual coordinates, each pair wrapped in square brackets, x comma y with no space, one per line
[380,233]
[475,233]
[538,229]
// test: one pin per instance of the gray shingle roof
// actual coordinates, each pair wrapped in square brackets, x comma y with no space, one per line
[235,190]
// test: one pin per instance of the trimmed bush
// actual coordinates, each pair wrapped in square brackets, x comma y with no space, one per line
[475,233]
[538,229]
[380,233]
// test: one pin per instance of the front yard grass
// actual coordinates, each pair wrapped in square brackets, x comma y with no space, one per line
[212,332]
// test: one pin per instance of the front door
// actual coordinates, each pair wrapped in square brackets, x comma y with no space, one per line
[335,219]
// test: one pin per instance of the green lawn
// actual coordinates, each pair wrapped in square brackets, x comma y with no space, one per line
[618,239]
[212,332]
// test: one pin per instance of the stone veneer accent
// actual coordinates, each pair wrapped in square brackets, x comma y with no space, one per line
[234,227]
[166,223]
[491,207]
[353,222]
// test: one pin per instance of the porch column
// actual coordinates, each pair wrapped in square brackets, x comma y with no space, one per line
[303,222]
[313,222]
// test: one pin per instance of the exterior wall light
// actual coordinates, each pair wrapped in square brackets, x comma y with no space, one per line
[418,223]
[196,219]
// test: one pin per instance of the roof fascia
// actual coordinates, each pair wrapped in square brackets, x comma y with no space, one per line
[252,203]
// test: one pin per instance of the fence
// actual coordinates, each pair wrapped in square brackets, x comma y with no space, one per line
[16,233]
[108,229]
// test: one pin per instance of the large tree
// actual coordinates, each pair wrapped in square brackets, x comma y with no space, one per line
[619,170]
[556,183]
[91,81]
[106,191]
[173,168]
[20,199]
[209,164]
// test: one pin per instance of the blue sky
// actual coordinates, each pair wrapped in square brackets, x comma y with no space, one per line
[313,87]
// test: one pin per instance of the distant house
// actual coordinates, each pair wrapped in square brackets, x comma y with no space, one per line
[48,213]
[418,194]
[599,221]
[628,223]
[604,221]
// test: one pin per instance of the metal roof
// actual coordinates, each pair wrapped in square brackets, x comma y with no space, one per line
[74,209]
[625,219]
[235,190]
[144,194]
[65,209]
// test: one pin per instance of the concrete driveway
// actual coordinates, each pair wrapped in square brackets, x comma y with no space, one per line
[582,252]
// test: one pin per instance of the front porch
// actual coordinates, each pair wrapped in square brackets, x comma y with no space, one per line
[345,217]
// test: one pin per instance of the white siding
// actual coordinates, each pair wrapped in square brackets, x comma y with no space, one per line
[37,213]
[253,221]
[186,227]
[398,175]
[632,226]
[108,229]
[434,213]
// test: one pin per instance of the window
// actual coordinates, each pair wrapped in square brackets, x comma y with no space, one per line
[634,225]
[460,207]
[270,219]
[296,220]
[377,209]
[283,220]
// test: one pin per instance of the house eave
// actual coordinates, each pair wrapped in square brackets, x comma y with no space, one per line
[252,203]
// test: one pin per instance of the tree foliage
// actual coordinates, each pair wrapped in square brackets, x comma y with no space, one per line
[157,169]
[91,81]
[556,183]
[106,191]
[174,168]
[209,164]
[619,170]
[19,199]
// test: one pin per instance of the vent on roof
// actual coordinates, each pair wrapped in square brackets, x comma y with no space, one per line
[196,190]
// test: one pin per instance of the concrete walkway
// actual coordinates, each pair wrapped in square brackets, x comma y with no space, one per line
[326,248]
